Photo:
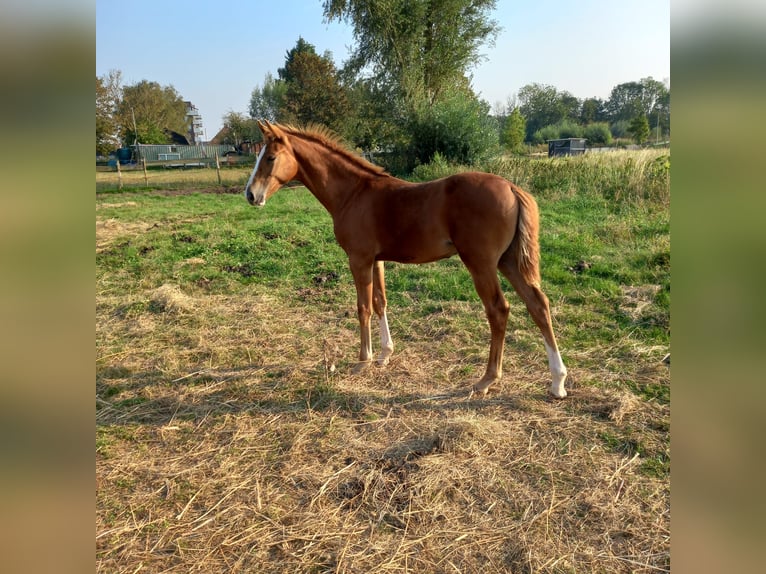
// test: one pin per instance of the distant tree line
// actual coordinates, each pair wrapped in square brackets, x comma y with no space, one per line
[404,94]
[550,113]
[144,112]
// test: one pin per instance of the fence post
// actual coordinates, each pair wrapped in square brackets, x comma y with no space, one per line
[146,179]
[119,174]
[218,167]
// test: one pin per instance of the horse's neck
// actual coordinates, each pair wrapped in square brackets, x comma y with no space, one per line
[329,177]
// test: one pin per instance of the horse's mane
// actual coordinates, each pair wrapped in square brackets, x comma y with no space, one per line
[329,139]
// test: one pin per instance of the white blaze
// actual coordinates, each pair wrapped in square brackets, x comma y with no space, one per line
[252,175]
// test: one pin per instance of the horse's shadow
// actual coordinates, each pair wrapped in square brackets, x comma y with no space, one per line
[154,398]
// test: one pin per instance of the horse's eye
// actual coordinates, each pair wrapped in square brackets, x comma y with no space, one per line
[271,158]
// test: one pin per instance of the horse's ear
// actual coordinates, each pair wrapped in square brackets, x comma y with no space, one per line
[277,133]
[264,127]
[271,132]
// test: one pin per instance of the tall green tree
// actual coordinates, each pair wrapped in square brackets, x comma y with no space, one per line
[625,102]
[515,131]
[267,101]
[302,47]
[155,108]
[313,90]
[592,110]
[416,49]
[639,128]
[374,121]
[631,99]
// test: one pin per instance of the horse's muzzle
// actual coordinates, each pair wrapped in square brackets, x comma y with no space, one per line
[260,202]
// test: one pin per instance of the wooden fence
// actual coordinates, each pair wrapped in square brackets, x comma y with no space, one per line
[221,171]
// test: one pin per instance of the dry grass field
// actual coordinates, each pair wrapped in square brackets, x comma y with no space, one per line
[231,435]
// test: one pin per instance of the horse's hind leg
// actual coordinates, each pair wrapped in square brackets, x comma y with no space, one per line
[539,308]
[379,304]
[488,287]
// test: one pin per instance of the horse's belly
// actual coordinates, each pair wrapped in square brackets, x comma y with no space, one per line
[405,251]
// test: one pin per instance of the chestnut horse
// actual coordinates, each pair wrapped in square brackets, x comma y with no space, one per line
[486,220]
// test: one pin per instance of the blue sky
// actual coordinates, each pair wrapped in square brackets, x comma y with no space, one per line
[215,53]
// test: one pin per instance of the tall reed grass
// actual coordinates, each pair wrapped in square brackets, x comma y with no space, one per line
[630,176]
[618,175]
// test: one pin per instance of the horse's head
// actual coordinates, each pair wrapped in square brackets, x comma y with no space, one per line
[276,165]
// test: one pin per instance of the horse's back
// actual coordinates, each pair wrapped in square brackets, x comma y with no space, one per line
[476,199]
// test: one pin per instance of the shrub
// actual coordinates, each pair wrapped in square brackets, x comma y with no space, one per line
[563,129]
[437,168]
[544,134]
[458,127]
[619,129]
[598,133]
[569,129]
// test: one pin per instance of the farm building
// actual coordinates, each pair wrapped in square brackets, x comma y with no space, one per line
[566,146]
[183,153]
[196,131]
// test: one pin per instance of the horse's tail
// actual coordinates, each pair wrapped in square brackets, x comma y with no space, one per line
[526,241]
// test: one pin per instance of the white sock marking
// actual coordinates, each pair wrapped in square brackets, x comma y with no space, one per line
[386,344]
[558,371]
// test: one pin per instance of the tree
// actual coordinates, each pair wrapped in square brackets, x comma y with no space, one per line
[624,102]
[570,106]
[108,94]
[267,102]
[286,74]
[313,92]
[660,115]
[374,122]
[592,110]
[639,127]
[631,99]
[543,105]
[515,131]
[240,128]
[156,110]
[416,49]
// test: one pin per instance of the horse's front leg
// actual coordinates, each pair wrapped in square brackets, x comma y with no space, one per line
[379,304]
[362,272]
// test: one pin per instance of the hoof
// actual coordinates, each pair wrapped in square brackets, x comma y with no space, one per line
[482,387]
[558,392]
[360,367]
[384,358]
